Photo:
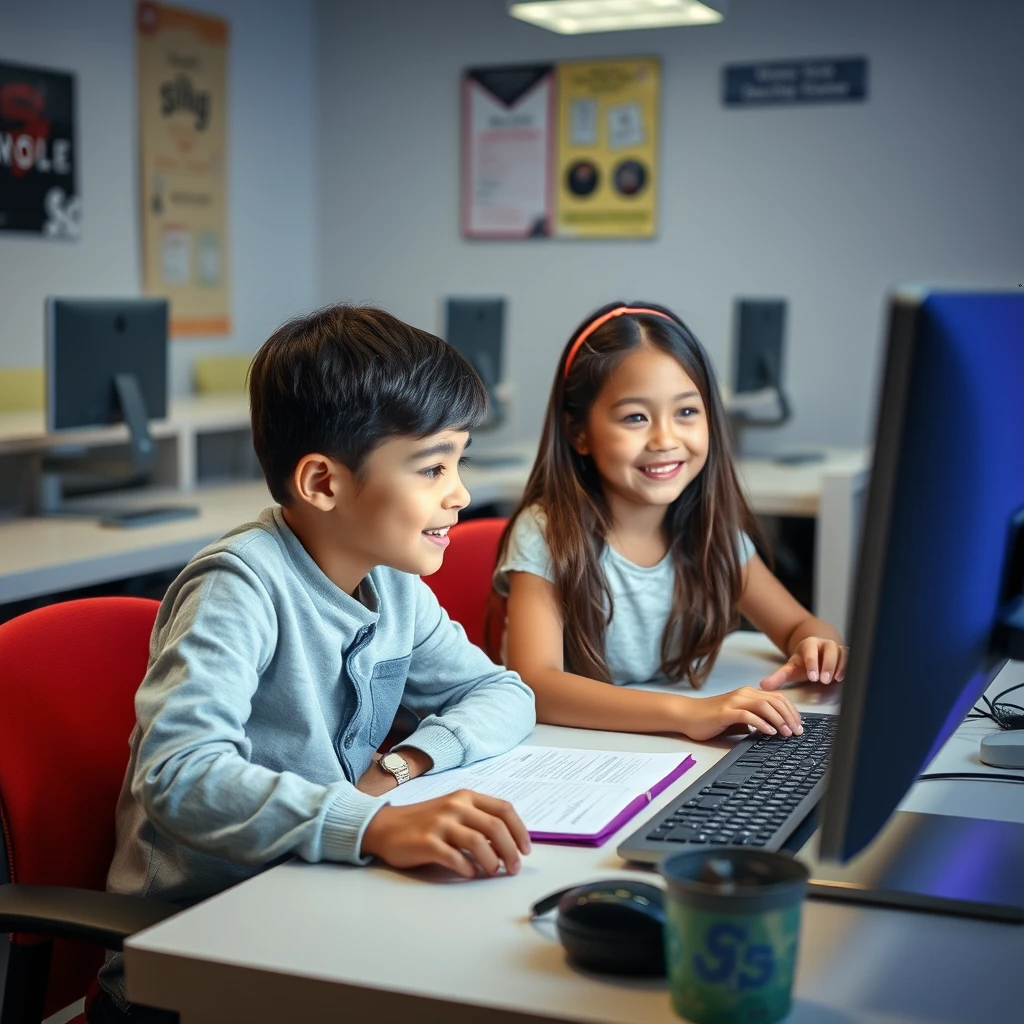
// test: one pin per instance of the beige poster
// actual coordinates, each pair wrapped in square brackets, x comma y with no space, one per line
[182,90]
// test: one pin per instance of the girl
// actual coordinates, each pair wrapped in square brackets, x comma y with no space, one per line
[630,556]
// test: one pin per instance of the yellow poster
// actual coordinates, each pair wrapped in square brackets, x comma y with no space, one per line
[607,148]
[183,138]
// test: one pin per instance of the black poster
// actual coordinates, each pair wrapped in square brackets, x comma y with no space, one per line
[38,179]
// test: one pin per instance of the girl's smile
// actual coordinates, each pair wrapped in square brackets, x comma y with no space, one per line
[661,471]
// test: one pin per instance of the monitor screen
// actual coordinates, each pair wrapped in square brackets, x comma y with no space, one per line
[89,342]
[946,487]
[760,333]
[476,328]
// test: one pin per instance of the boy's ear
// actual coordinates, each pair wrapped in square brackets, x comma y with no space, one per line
[319,481]
[577,435]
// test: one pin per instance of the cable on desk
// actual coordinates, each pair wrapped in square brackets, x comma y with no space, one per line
[979,776]
[1006,716]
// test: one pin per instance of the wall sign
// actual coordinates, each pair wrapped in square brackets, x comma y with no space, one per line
[38,176]
[819,80]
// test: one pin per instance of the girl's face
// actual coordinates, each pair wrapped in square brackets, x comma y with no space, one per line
[647,430]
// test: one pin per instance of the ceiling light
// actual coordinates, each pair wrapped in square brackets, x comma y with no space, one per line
[572,17]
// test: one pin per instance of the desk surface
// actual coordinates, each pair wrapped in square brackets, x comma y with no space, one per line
[308,941]
[41,556]
[26,430]
[50,554]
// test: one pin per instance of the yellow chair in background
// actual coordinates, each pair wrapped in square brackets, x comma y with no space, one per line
[220,373]
[22,388]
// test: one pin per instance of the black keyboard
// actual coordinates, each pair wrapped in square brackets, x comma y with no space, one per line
[757,795]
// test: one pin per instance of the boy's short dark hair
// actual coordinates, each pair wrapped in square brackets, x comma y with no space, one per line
[344,380]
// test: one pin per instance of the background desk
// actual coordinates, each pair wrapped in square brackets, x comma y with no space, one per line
[35,553]
[45,555]
[330,942]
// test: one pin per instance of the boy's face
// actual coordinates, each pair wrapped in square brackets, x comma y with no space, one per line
[408,496]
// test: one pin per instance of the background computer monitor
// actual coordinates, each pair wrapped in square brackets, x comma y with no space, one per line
[476,327]
[106,361]
[759,328]
[92,341]
[937,565]
[760,331]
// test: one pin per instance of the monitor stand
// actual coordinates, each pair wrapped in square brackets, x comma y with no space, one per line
[971,867]
[50,500]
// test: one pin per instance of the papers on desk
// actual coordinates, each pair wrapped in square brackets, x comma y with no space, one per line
[562,794]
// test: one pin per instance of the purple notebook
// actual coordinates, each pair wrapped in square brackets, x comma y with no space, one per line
[563,794]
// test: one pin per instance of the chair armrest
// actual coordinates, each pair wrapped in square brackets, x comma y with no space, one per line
[101,918]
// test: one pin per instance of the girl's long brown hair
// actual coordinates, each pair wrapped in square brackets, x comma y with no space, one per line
[703,524]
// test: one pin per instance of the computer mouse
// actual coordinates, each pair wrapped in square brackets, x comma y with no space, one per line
[613,926]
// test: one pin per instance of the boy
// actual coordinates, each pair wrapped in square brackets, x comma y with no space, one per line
[281,653]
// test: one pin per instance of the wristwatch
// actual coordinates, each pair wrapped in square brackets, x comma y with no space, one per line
[395,764]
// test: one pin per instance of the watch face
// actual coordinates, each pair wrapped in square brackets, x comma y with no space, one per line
[394,762]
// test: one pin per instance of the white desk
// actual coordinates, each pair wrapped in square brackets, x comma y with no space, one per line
[42,556]
[327,942]
[45,555]
[176,436]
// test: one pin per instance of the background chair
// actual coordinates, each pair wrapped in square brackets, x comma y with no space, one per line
[213,374]
[463,583]
[68,676]
[22,389]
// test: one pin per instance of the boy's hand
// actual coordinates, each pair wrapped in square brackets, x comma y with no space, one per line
[814,659]
[465,831]
[770,713]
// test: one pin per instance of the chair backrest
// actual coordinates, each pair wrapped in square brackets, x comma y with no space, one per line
[463,583]
[220,373]
[22,389]
[68,676]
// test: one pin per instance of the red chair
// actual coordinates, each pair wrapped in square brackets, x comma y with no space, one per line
[68,676]
[463,583]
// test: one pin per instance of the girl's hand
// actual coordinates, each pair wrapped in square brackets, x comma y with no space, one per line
[814,659]
[770,713]
[468,832]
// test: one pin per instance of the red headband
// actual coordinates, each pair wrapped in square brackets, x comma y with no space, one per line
[603,319]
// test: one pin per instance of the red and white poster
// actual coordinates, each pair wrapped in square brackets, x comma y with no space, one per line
[507,151]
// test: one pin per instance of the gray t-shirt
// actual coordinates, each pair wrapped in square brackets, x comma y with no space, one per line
[642,596]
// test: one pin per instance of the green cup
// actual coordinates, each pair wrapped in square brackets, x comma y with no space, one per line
[732,924]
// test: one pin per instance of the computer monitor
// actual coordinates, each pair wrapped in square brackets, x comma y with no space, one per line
[90,344]
[476,327]
[106,362]
[941,570]
[760,331]
[759,328]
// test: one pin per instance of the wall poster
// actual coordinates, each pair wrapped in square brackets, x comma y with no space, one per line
[567,150]
[182,86]
[608,148]
[38,172]
[507,124]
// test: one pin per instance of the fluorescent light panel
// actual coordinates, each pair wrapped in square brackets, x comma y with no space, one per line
[573,17]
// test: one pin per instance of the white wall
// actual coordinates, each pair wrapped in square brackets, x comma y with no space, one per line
[826,205]
[272,173]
